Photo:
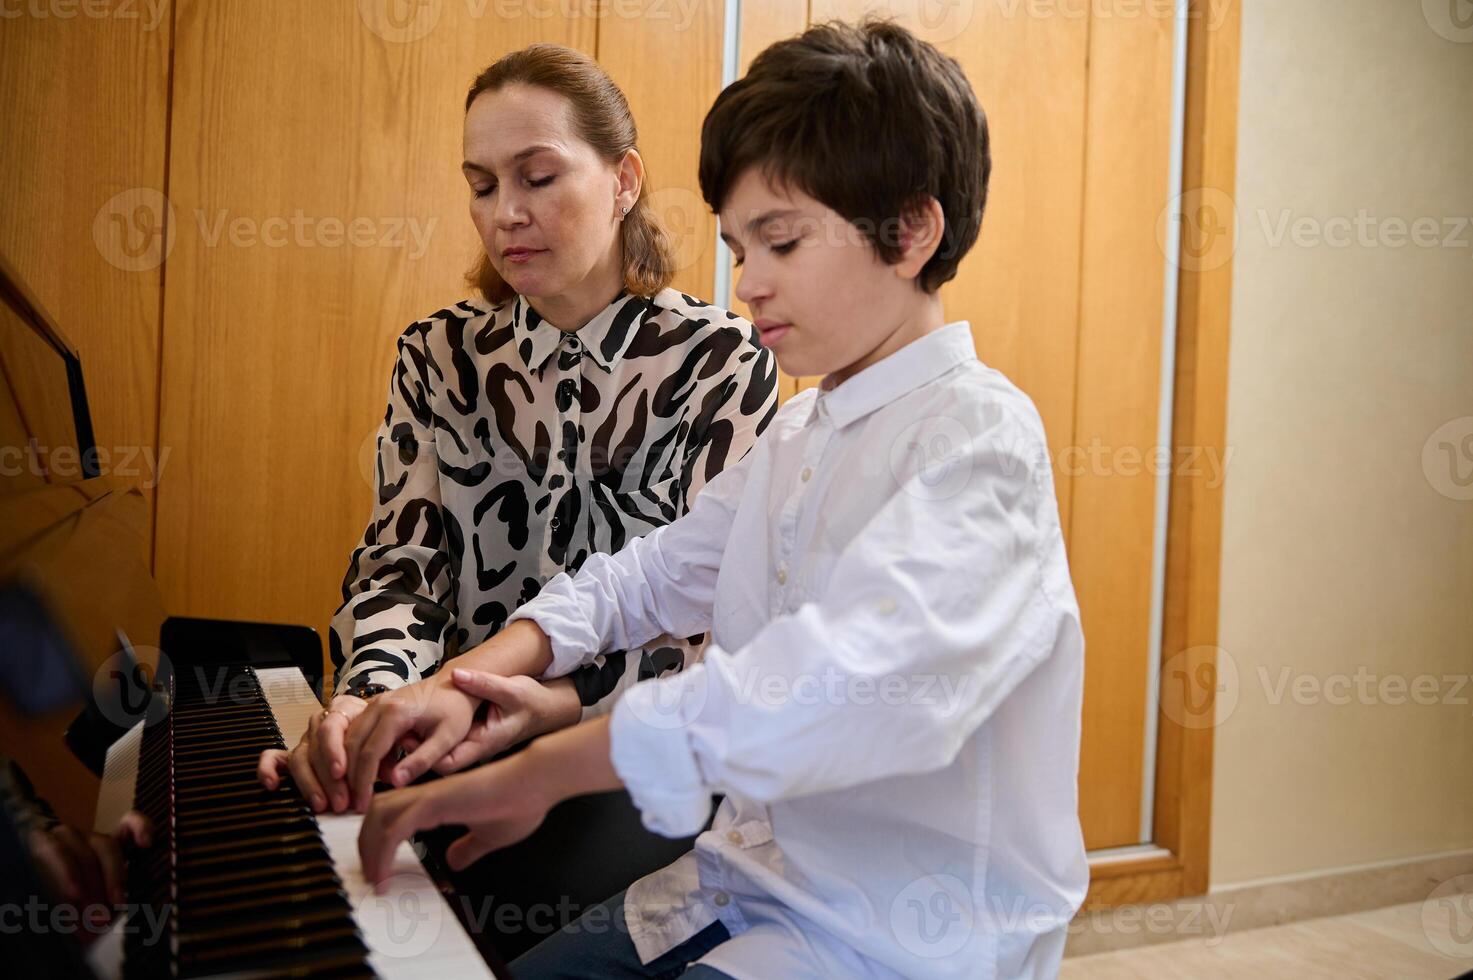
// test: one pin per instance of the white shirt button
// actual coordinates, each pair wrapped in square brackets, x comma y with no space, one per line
[722,899]
[807,473]
[734,837]
[782,576]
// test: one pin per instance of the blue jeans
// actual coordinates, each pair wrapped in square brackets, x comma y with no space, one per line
[598,945]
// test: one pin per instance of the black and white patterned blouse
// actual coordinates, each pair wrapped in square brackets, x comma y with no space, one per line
[512,450]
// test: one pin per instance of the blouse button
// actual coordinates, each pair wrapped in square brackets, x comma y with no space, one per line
[555,523]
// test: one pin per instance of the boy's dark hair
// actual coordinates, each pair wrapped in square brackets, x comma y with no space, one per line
[867,120]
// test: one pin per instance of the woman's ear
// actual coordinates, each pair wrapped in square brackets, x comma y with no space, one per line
[922,225]
[630,175]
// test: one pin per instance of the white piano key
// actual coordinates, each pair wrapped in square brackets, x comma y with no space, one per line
[119,781]
[410,930]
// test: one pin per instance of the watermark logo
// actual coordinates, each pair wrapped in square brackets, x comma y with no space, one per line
[1447,917]
[1199,687]
[149,12]
[132,686]
[929,458]
[1451,19]
[400,21]
[139,463]
[1447,459]
[682,213]
[134,229]
[669,702]
[1208,218]
[405,920]
[932,917]
[939,21]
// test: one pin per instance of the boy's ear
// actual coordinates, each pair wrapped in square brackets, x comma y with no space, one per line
[921,226]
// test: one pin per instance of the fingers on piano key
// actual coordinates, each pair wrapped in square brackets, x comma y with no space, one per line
[300,762]
[330,758]
[135,830]
[416,763]
[362,759]
[388,823]
[272,766]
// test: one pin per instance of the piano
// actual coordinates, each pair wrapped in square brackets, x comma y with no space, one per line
[243,881]
[238,881]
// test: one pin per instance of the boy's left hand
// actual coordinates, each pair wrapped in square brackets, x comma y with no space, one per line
[500,804]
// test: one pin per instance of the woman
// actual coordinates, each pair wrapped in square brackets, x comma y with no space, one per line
[580,404]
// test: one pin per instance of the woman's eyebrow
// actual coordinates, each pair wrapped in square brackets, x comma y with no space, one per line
[530,151]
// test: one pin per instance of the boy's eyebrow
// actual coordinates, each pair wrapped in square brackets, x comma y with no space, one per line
[759,221]
[530,151]
[767,216]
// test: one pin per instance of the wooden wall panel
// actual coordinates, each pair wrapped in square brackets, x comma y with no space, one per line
[1120,321]
[1064,294]
[1019,286]
[293,125]
[667,59]
[82,145]
[764,22]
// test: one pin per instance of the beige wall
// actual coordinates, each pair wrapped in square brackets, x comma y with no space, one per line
[1341,551]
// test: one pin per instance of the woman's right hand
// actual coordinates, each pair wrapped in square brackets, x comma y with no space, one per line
[319,762]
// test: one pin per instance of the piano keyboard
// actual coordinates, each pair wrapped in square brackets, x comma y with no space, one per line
[250,882]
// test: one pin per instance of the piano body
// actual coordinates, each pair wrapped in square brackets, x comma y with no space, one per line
[239,881]
[242,880]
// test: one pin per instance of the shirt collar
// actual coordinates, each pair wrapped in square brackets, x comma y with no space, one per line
[604,339]
[913,365]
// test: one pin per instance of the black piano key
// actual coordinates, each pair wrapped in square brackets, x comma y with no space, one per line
[239,873]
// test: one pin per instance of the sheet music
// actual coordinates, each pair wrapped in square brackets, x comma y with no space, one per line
[410,930]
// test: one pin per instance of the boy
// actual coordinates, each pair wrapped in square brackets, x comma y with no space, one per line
[891,698]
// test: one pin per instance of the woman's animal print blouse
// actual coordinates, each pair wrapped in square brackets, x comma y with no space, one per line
[512,450]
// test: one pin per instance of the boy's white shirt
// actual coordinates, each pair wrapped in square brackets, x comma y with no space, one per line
[891,697]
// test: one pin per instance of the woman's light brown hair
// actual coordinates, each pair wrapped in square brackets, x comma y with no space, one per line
[602,119]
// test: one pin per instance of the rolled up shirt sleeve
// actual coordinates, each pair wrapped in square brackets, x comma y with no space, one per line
[930,620]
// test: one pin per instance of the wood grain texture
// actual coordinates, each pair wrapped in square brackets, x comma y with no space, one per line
[1121,302]
[82,145]
[1019,286]
[668,62]
[1194,530]
[316,174]
[38,442]
[763,23]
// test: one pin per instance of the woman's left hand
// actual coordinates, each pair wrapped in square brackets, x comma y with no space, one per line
[500,804]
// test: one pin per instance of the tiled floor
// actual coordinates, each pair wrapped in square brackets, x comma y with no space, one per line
[1397,942]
